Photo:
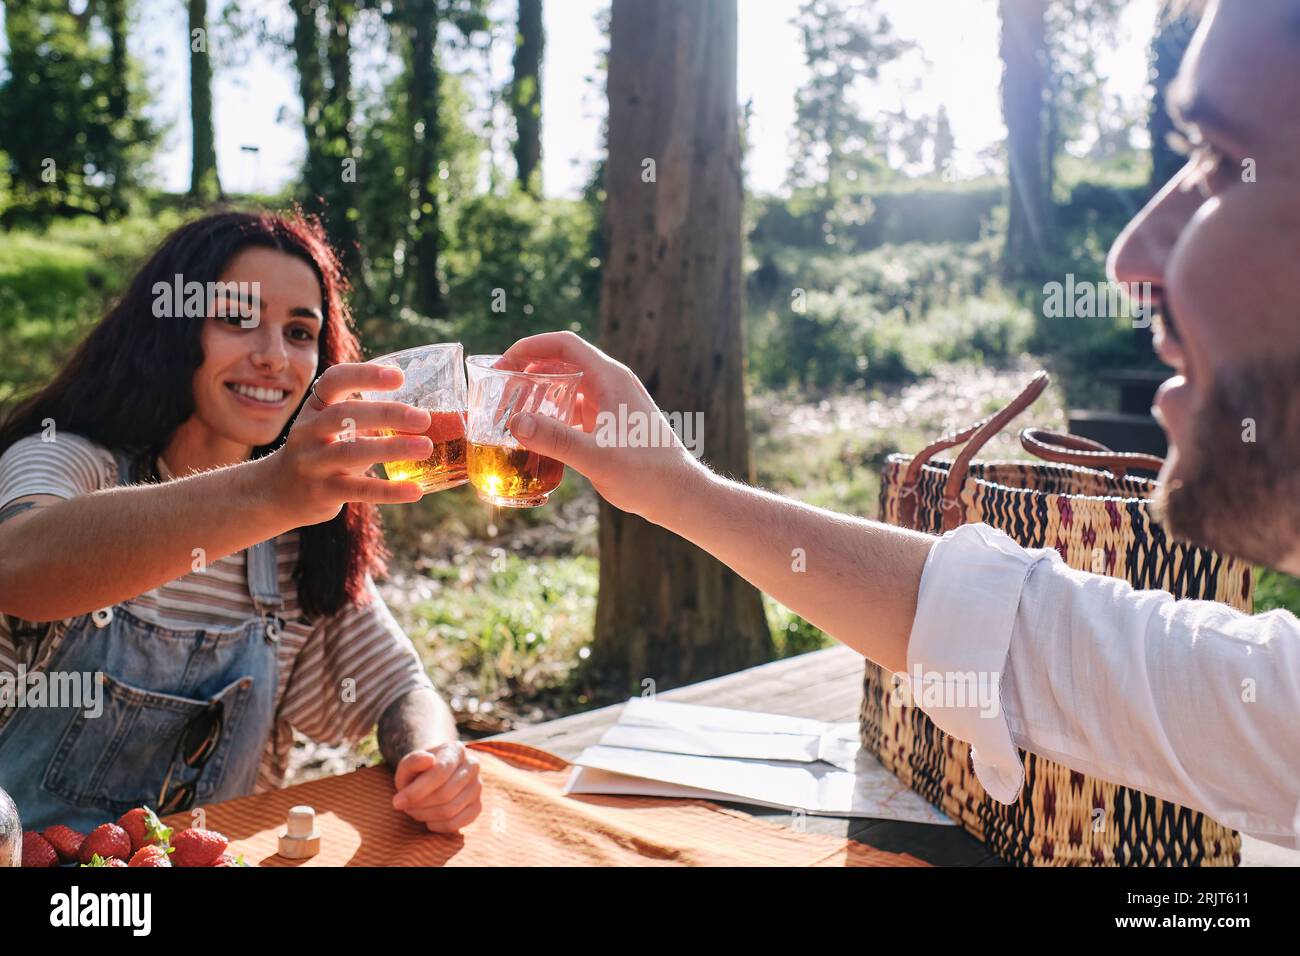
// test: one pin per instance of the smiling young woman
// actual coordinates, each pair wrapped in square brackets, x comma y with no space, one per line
[178,514]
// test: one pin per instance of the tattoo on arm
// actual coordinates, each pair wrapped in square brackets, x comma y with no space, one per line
[16,509]
[412,722]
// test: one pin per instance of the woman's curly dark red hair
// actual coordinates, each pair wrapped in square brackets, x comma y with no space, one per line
[129,383]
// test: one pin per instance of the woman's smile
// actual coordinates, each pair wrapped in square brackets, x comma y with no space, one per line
[259,396]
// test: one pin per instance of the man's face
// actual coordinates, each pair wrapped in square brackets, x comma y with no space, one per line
[1220,245]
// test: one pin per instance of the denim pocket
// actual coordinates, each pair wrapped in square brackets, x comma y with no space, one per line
[119,759]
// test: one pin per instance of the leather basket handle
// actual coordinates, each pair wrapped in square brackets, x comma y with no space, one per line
[975,436]
[1075,450]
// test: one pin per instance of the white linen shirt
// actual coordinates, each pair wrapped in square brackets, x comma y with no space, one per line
[1190,701]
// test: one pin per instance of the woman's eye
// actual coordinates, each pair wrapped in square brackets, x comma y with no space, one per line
[302,334]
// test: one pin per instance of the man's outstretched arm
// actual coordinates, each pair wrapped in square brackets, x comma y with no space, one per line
[857,580]
[1006,647]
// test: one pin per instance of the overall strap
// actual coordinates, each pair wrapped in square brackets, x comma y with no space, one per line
[126,467]
[260,564]
[264,584]
[128,473]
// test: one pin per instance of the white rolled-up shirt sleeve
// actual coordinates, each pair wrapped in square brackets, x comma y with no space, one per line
[1190,701]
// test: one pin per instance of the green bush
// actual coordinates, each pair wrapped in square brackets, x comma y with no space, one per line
[1273,589]
[517,266]
[924,210]
[821,320]
[791,634]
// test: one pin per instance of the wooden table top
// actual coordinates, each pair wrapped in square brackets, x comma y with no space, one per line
[823,685]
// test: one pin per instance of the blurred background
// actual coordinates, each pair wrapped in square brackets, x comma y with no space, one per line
[466,152]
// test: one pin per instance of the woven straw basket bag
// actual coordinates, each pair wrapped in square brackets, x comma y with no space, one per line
[1082,502]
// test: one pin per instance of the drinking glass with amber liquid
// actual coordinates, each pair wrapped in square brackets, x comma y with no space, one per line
[501,470]
[435,382]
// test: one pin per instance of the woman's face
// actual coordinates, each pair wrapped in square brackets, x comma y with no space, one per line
[258,365]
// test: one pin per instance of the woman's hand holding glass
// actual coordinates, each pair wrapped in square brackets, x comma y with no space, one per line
[337,437]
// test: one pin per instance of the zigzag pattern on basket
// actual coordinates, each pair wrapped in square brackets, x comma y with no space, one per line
[1097,523]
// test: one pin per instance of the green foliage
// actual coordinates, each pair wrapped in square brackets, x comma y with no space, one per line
[791,634]
[386,318]
[56,283]
[886,315]
[505,618]
[845,45]
[68,141]
[920,210]
[1175,26]
[1273,589]
[1076,31]
[528,257]
[1099,208]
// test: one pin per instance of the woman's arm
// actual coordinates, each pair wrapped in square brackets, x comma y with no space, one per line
[60,558]
[436,778]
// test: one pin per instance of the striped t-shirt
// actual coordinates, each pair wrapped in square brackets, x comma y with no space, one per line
[362,645]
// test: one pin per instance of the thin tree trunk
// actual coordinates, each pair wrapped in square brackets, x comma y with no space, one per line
[204,182]
[671,309]
[526,94]
[115,17]
[422,96]
[1024,83]
[115,23]
[311,91]
[1168,46]
[341,192]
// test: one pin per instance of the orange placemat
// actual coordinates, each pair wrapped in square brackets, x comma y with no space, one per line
[525,822]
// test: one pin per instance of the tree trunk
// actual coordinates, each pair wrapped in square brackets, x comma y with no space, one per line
[1024,82]
[671,309]
[1173,34]
[325,87]
[340,195]
[311,91]
[115,23]
[526,94]
[422,97]
[115,18]
[204,183]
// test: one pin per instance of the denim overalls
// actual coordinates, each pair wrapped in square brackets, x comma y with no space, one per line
[61,766]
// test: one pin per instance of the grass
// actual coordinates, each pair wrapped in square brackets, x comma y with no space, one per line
[55,285]
[518,625]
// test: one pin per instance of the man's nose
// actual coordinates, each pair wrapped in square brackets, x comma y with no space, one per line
[1141,252]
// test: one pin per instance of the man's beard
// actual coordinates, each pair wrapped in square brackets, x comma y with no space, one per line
[1238,496]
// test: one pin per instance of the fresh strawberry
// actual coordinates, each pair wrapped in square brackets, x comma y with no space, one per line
[97,860]
[197,847]
[226,859]
[151,856]
[144,828]
[66,842]
[37,851]
[107,840]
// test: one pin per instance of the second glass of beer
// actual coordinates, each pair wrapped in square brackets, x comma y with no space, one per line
[502,471]
[435,381]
